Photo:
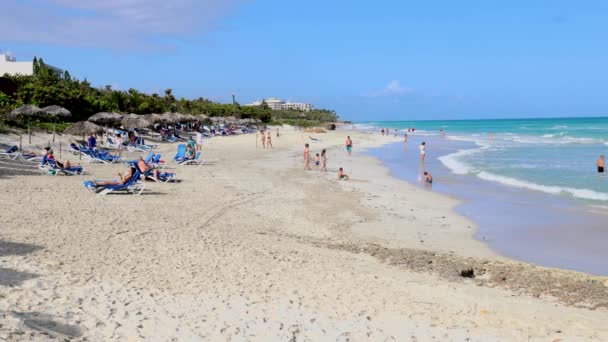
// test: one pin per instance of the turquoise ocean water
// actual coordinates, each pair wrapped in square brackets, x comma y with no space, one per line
[555,156]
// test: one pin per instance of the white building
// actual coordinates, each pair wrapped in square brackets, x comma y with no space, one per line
[278,104]
[9,65]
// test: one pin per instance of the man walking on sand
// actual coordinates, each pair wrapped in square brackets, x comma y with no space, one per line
[349,145]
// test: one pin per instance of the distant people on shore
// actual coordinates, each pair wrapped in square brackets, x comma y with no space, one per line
[382,132]
[306,157]
[269,141]
[118,143]
[263,138]
[199,141]
[324,160]
[342,175]
[395,132]
[601,164]
[349,145]
[422,148]
[405,137]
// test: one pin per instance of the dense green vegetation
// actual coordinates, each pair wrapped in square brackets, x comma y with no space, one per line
[46,88]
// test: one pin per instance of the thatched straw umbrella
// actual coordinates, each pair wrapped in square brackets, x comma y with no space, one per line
[216,119]
[168,117]
[105,118]
[153,118]
[27,111]
[83,127]
[130,121]
[56,112]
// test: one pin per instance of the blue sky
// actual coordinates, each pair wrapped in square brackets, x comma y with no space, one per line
[386,60]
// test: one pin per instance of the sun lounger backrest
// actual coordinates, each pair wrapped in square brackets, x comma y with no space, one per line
[181,151]
[149,158]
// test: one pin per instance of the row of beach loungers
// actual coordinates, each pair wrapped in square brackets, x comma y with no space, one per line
[132,185]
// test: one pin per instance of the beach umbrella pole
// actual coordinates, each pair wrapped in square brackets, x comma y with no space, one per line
[54,128]
[20,141]
[29,132]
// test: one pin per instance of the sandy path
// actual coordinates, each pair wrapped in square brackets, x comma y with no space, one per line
[233,253]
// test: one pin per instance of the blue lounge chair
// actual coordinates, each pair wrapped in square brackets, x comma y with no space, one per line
[133,185]
[156,162]
[192,161]
[181,153]
[163,177]
[10,153]
[49,166]
[102,157]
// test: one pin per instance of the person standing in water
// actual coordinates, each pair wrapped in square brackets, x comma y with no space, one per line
[306,157]
[601,163]
[349,145]
[324,160]
[422,148]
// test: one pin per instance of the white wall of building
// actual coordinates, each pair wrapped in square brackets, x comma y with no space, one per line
[278,104]
[8,65]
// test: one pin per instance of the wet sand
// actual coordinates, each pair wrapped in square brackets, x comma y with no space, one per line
[525,225]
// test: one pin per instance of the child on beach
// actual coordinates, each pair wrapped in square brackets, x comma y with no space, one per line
[342,175]
[317,160]
[422,148]
[428,179]
[324,160]
[601,164]
[306,157]
[269,141]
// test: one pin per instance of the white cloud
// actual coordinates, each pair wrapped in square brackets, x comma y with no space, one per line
[393,88]
[116,24]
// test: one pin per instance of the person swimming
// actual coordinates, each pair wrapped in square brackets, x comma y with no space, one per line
[601,163]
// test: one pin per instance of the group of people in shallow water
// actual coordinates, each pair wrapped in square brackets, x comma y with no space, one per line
[427,178]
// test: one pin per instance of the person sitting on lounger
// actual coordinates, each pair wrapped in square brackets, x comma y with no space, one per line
[50,158]
[147,170]
[190,151]
[122,178]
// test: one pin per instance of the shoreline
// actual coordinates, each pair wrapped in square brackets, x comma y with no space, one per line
[251,247]
[515,223]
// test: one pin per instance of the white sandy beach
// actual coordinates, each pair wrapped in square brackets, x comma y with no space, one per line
[250,247]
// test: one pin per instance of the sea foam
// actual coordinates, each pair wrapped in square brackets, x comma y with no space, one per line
[550,189]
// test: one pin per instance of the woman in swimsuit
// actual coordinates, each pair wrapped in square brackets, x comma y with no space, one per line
[269,141]
[601,164]
[263,139]
[422,148]
[306,157]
